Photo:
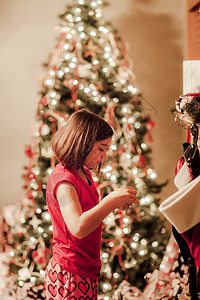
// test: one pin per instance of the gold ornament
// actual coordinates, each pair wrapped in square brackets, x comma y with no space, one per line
[91,49]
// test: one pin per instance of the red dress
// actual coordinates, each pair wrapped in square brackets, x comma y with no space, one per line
[75,267]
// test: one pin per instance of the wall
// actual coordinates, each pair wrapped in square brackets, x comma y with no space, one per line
[155,34]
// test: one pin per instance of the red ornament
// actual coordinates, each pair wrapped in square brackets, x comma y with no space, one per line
[44,101]
[20,234]
[28,151]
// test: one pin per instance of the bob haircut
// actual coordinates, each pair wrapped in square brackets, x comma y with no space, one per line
[73,142]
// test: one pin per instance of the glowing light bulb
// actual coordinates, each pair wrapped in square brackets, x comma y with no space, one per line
[113,177]
[49,170]
[135,171]
[32,239]
[143,146]
[133,245]
[106,286]
[69,36]
[116,275]
[93,4]
[126,230]
[136,237]
[103,99]
[143,242]
[53,94]
[82,35]
[134,91]
[32,279]
[87,90]
[72,65]
[154,256]
[52,73]
[155,244]
[42,272]
[137,125]
[40,229]
[78,102]
[113,147]
[66,70]
[80,28]
[107,49]
[141,252]
[77,10]
[98,15]
[124,109]
[130,120]
[94,93]
[153,175]
[48,82]
[67,56]
[105,255]
[47,216]
[126,220]
[60,73]
[93,33]
[75,82]
[68,17]
[54,102]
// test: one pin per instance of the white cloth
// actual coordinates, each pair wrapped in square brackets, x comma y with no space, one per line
[183,177]
[182,209]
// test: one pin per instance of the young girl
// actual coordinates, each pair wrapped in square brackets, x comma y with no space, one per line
[73,203]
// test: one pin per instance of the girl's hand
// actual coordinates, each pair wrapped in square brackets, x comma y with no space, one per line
[124,197]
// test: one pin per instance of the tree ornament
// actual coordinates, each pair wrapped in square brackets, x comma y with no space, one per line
[91,49]
[24,274]
[35,222]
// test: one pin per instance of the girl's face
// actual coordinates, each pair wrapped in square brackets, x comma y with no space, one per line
[98,153]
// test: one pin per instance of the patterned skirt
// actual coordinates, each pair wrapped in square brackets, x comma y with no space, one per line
[60,284]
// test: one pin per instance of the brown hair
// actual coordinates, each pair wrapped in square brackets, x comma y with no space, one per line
[73,142]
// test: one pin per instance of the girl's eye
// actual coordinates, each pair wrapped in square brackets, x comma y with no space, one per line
[101,150]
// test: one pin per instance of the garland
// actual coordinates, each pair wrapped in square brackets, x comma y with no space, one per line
[189,104]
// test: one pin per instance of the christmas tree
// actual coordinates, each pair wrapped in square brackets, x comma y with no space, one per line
[89,68]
